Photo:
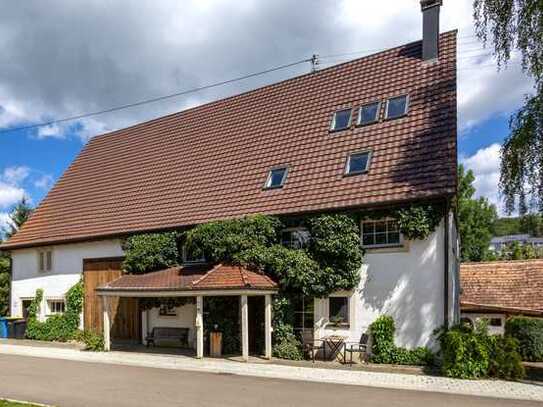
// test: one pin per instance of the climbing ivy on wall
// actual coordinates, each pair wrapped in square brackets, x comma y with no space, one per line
[58,327]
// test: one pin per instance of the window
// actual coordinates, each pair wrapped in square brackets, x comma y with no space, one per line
[26,305]
[341,120]
[357,163]
[497,322]
[45,260]
[381,233]
[56,306]
[397,107]
[303,313]
[190,257]
[368,113]
[276,178]
[167,310]
[338,310]
[295,238]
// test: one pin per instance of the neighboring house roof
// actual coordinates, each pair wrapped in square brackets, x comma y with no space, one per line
[510,238]
[502,285]
[211,162]
[193,278]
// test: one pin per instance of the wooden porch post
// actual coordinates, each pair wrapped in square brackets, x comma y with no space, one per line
[199,327]
[268,326]
[244,328]
[106,323]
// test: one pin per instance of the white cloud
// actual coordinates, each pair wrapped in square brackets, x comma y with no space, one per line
[4,221]
[15,175]
[157,48]
[44,182]
[9,194]
[485,164]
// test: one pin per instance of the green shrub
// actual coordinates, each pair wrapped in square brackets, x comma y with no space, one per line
[384,350]
[93,342]
[61,327]
[529,333]
[286,344]
[471,353]
[150,252]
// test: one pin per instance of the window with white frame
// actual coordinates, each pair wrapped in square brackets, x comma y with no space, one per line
[295,238]
[381,233]
[45,260]
[368,113]
[304,311]
[56,306]
[276,178]
[357,163]
[341,120]
[397,107]
[338,310]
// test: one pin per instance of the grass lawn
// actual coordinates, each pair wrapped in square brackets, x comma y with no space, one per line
[4,403]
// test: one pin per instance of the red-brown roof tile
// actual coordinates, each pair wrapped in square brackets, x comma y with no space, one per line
[505,284]
[211,162]
[194,277]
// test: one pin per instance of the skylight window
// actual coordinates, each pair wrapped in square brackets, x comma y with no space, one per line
[276,177]
[357,163]
[341,120]
[397,107]
[368,113]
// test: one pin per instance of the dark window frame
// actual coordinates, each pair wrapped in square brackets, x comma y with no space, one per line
[167,310]
[291,230]
[267,183]
[186,260]
[406,110]
[347,171]
[377,113]
[332,129]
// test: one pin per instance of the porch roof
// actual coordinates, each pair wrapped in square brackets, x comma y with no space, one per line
[199,278]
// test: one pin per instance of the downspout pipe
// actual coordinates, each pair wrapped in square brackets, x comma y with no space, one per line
[446,240]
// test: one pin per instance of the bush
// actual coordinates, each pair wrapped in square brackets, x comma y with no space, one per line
[471,353]
[62,327]
[93,342]
[286,344]
[384,350]
[529,334]
[150,252]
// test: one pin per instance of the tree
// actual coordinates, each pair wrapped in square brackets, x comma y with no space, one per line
[4,284]
[517,25]
[19,215]
[476,219]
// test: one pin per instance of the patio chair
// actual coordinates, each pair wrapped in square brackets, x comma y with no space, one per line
[360,347]
[310,346]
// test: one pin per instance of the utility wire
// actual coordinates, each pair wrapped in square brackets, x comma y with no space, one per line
[153,100]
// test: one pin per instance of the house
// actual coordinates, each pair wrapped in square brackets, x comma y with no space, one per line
[375,133]
[496,290]
[500,243]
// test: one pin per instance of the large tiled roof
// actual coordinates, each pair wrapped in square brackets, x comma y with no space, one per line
[502,284]
[211,162]
[194,277]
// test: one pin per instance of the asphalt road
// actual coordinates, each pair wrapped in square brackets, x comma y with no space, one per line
[76,384]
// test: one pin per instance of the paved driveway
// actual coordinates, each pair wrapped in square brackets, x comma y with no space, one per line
[75,384]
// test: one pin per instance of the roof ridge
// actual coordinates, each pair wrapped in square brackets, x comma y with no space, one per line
[475,263]
[206,274]
[244,276]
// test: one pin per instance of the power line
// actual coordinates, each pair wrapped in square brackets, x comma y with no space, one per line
[153,100]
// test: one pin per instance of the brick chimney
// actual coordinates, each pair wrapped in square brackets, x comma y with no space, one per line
[430,28]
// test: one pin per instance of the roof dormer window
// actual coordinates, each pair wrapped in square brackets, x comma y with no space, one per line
[357,163]
[341,120]
[276,178]
[397,107]
[369,113]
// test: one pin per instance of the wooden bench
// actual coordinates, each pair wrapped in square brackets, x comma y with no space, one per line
[168,333]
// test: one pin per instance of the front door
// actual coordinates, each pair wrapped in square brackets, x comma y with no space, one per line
[125,314]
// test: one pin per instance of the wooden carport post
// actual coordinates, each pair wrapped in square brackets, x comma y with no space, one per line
[106,323]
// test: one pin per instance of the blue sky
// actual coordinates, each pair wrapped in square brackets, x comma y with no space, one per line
[94,60]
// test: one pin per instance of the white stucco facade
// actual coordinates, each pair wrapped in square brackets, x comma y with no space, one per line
[406,283]
[66,270]
[185,317]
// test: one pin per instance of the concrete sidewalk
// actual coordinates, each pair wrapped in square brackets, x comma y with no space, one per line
[485,388]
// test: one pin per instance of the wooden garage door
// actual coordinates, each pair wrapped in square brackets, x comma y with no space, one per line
[125,315]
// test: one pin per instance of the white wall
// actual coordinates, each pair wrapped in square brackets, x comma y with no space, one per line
[66,271]
[185,318]
[405,283]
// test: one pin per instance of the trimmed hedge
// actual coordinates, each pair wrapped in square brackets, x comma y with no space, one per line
[529,333]
[384,350]
[468,353]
